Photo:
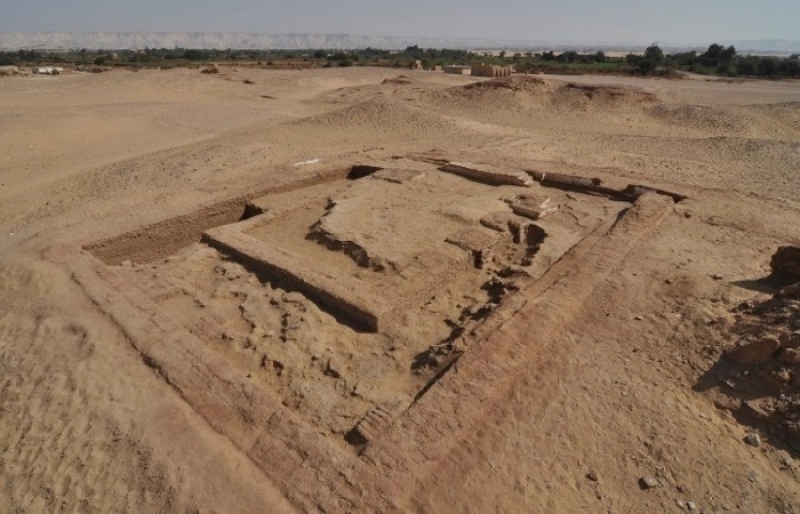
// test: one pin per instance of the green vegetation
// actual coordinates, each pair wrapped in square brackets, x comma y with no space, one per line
[717,60]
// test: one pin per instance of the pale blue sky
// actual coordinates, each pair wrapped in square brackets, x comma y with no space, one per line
[610,21]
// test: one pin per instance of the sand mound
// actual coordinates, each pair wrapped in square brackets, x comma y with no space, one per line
[398,80]
[787,114]
[698,116]
[352,95]
[530,103]
[534,94]
[755,151]
[490,98]
[584,95]
[512,83]
[380,114]
[502,89]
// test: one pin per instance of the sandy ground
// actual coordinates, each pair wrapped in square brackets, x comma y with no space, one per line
[86,425]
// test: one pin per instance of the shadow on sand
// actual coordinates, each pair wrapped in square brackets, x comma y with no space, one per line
[770,284]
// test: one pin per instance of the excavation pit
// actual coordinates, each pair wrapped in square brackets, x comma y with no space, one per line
[335,308]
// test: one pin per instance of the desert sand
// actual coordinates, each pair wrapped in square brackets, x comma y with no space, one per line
[276,296]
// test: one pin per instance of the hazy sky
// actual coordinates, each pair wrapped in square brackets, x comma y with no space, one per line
[667,21]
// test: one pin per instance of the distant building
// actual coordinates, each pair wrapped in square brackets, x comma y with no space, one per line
[457,69]
[416,65]
[491,70]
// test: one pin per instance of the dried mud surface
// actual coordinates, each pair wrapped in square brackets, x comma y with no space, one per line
[185,259]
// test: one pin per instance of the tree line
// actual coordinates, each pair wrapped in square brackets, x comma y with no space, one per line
[716,60]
